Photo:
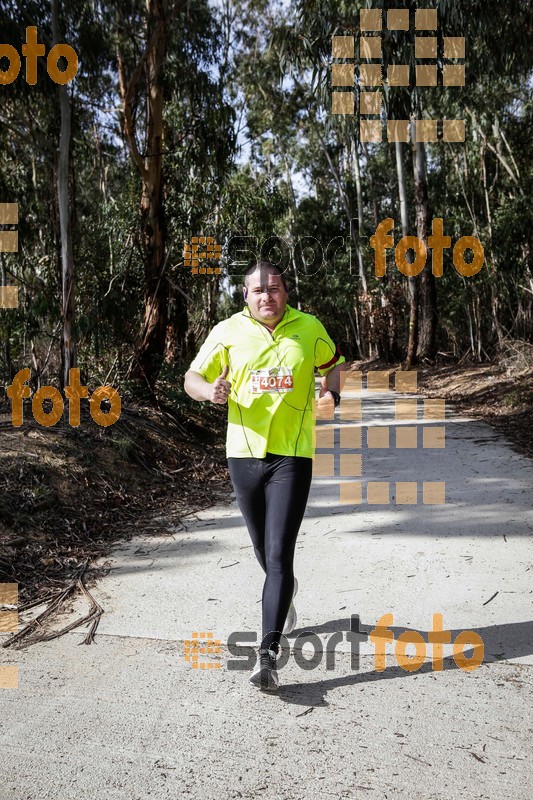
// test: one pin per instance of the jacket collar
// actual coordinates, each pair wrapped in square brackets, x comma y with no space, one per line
[288,315]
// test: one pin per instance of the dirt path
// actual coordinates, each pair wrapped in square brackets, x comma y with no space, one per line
[129,718]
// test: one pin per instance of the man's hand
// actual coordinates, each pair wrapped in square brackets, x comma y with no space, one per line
[324,392]
[326,403]
[220,388]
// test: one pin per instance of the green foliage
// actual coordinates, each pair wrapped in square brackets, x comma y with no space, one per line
[251,149]
[513,399]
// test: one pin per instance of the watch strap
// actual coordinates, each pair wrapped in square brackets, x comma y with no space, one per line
[336,397]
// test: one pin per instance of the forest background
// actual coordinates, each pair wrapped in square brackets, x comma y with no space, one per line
[194,119]
[191,119]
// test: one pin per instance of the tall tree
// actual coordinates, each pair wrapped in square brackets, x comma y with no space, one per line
[412,341]
[151,347]
[68,348]
[427,327]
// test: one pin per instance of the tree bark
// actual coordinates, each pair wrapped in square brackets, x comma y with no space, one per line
[412,341]
[427,329]
[292,213]
[151,347]
[68,344]
[346,207]
[7,342]
[360,220]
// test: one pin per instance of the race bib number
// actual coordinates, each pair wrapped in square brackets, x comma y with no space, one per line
[275,379]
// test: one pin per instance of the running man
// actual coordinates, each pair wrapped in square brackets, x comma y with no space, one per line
[261,362]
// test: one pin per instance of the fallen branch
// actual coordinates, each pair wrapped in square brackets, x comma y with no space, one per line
[93,616]
[490,598]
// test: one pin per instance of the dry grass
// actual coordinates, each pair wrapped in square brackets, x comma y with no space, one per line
[67,495]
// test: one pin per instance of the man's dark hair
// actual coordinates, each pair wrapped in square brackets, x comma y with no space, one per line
[265,268]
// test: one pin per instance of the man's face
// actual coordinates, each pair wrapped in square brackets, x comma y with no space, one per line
[267,297]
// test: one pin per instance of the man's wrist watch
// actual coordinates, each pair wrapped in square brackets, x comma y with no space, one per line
[336,397]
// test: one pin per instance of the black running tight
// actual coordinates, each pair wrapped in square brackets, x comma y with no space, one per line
[272,495]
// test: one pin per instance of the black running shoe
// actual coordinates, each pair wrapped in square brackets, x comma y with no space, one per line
[265,675]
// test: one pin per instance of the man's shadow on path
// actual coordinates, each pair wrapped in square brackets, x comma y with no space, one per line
[501,642]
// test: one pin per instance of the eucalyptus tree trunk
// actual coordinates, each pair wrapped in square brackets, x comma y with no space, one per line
[359,193]
[7,342]
[427,328]
[412,284]
[68,344]
[354,235]
[292,212]
[151,347]
[360,221]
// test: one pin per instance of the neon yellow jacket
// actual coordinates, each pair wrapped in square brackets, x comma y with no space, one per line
[271,406]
